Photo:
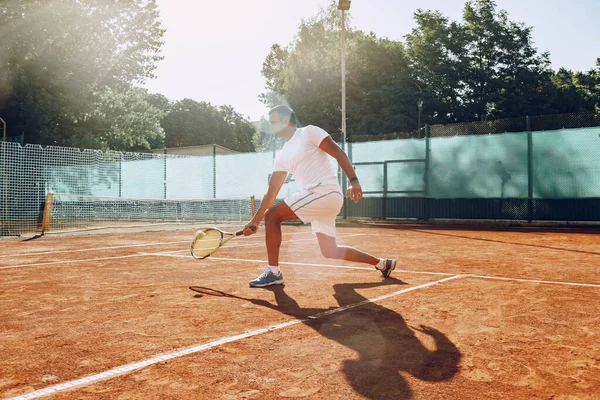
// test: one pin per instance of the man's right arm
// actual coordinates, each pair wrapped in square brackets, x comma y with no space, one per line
[275,184]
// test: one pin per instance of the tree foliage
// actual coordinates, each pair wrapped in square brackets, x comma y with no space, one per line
[480,68]
[61,59]
[437,58]
[503,69]
[121,120]
[192,123]
[70,73]
[307,76]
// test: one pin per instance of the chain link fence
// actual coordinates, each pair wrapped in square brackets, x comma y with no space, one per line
[520,124]
[544,168]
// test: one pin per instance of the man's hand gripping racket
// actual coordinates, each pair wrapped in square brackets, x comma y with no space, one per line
[207,241]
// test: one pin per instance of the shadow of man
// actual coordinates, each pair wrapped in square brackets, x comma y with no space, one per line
[385,344]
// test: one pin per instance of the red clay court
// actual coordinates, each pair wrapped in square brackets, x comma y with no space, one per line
[470,313]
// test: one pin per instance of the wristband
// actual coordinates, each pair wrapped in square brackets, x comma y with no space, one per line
[353,179]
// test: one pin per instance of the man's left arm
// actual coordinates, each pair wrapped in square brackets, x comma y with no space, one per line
[335,151]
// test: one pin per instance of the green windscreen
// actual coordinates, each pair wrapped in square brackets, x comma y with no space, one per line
[566,163]
[483,166]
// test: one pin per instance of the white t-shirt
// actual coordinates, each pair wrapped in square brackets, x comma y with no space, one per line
[302,157]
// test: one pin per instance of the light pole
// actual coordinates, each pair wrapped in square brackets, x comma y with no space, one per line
[343,6]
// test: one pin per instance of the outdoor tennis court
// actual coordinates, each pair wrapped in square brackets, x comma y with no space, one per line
[470,313]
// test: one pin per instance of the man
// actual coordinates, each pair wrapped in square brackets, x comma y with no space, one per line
[305,155]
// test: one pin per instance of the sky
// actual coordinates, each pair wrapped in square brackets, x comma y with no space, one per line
[214,50]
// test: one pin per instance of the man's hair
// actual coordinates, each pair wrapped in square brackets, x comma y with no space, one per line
[285,111]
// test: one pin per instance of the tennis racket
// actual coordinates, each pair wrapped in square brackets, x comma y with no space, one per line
[207,241]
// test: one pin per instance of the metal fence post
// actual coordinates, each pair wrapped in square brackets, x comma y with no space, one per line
[120,174]
[165,172]
[214,171]
[529,170]
[345,203]
[385,190]
[426,175]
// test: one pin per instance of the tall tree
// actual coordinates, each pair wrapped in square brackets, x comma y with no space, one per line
[382,95]
[437,57]
[564,94]
[307,75]
[121,120]
[236,130]
[57,55]
[503,66]
[192,123]
[588,84]
[484,67]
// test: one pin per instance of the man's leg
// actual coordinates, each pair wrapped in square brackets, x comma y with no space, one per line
[273,219]
[330,249]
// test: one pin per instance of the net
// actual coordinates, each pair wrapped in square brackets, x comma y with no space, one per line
[68,212]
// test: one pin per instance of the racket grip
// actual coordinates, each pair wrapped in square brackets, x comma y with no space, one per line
[241,232]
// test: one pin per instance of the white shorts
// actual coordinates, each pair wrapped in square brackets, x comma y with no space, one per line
[318,206]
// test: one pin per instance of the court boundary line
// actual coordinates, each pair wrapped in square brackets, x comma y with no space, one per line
[501,278]
[92,249]
[158,244]
[143,254]
[168,254]
[256,244]
[103,248]
[128,368]
[75,261]
[398,270]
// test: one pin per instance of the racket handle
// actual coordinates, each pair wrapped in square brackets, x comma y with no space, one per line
[241,232]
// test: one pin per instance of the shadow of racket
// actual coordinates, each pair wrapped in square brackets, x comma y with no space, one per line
[204,291]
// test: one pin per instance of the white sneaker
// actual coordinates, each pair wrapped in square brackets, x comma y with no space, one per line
[267,278]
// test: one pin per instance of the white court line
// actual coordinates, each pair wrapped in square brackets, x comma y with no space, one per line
[156,244]
[261,244]
[93,249]
[125,369]
[535,281]
[132,255]
[75,261]
[167,254]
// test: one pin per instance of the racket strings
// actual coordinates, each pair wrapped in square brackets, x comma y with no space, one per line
[207,243]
